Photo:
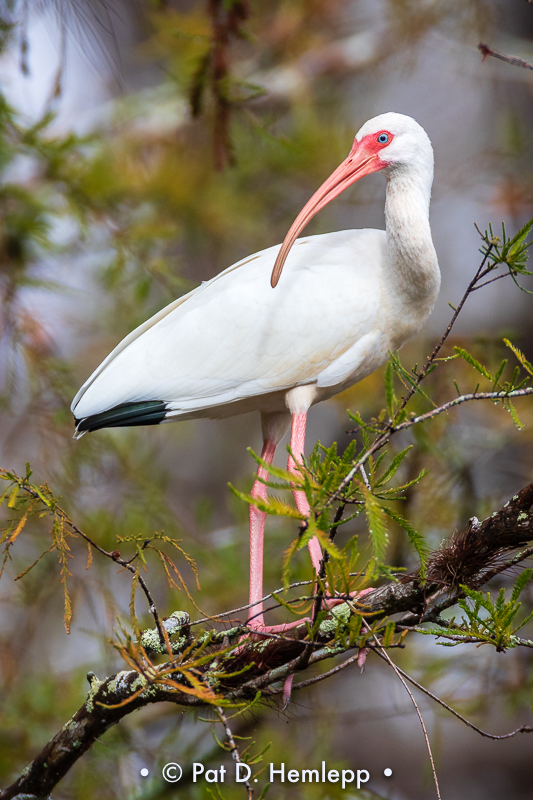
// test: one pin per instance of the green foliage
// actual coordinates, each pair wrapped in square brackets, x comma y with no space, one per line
[417,540]
[488,621]
[479,367]
[174,577]
[29,500]
[511,253]
[520,356]
[514,384]
[377,525]
[323,478]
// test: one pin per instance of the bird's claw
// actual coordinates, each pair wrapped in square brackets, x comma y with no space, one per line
[287,688]
[361,658]
[336,601]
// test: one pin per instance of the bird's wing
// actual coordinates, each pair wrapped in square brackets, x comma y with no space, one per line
[235,337]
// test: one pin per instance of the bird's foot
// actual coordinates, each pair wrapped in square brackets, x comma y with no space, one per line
[361,658]
[287,689]
[336,601]
[260,630]
[328,604]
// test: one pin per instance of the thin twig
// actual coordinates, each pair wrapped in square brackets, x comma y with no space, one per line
[263,600]
[113,555]
[521,729]
[512,562]
[430,360]
[234,750]
[492,280]
[322,677]
[464,398]
[268,597]
[383,653]
[365,477]
[485,51]
[325,558]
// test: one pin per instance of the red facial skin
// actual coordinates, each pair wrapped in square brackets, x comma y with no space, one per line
[371,145]
[362,160]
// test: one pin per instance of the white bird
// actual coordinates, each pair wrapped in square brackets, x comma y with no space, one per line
[235,345]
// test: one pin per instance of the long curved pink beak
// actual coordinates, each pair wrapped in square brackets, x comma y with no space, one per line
[360,162]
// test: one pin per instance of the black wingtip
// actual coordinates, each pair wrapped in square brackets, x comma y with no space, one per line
[149,412]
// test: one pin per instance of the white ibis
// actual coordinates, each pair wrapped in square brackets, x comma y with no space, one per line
[235,344]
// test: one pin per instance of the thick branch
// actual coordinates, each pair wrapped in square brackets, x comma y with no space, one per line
[471,557]
[92,720]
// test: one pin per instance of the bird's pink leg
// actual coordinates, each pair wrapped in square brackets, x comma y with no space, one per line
[257,535]
[297,450]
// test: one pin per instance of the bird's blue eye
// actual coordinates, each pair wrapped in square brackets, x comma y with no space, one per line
[383,138]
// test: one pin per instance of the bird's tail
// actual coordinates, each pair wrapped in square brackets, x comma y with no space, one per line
[149,412]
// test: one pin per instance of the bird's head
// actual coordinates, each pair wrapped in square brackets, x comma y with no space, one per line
[396,141]
[390,142]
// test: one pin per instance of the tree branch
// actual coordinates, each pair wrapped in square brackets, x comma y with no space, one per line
[234,750]
[471,557]
[113,555]
[521,729]
[485,51]
[383,653]
[90,722]
[464,398]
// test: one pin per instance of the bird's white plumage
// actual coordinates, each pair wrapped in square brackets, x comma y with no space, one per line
[219,344]
[345,299]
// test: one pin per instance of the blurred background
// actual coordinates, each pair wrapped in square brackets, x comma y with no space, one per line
[144,147]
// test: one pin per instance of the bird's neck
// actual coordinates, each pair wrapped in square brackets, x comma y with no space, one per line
[412,262]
